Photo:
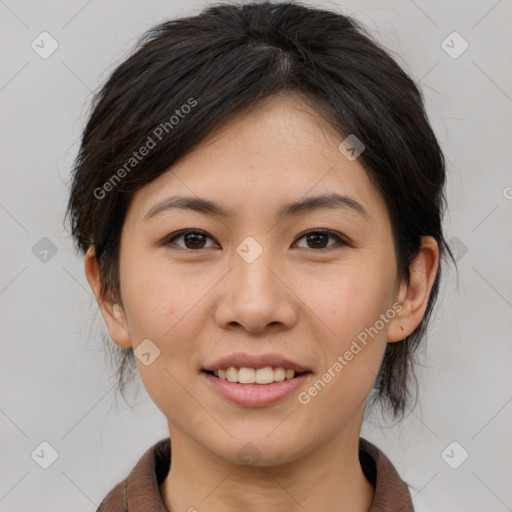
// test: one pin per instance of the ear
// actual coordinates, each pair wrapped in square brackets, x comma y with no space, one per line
[112,312]
[414,297]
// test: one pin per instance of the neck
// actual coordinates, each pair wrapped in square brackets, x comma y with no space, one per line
[330,478]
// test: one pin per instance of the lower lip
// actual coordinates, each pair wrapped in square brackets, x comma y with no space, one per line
[255,395]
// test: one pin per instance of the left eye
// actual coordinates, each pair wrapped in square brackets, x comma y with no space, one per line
[194,239]
[319,238]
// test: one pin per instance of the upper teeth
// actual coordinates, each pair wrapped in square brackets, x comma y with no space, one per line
[250,375]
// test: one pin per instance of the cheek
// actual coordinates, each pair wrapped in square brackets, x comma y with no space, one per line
[350,304]
[352,352]
[159,307]
[354,309]
[159,298]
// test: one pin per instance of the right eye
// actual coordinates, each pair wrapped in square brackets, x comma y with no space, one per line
[193,239]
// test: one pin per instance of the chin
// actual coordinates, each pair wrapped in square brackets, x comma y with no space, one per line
[255,448]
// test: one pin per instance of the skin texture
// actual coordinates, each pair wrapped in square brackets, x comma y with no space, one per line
[200,304]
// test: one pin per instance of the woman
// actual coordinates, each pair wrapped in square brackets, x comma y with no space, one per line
[259,198]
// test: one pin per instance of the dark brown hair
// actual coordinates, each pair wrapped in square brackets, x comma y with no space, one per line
[226,59]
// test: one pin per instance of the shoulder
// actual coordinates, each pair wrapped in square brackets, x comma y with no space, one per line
[141,487]
[391,492]
[116,500]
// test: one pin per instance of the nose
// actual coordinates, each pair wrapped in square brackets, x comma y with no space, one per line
[255,296]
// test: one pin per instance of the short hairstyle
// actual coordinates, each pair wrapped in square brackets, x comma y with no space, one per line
[225,60]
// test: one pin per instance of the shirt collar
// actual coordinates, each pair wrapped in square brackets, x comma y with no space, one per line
[141,490]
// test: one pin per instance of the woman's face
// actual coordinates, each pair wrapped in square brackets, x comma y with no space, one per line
[253,284]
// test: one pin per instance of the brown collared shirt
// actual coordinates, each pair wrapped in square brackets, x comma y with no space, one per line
[140,491]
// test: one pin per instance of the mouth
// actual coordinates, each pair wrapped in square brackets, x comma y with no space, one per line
[255,387]
[255,376]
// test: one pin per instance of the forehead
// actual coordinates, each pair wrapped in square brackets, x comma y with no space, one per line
[276,152]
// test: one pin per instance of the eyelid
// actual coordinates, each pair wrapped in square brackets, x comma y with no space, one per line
[167,240]
[334,234]
[342,239]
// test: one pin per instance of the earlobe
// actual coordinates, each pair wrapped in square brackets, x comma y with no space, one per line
[414,297]
[112,312]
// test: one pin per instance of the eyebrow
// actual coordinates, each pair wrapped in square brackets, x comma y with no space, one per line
[323,201]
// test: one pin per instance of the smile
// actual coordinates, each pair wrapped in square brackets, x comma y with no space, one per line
[253,393]
[245,375]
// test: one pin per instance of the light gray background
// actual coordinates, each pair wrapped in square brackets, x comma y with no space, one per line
[55,382]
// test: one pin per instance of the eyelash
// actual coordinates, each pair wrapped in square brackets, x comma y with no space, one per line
[343,241]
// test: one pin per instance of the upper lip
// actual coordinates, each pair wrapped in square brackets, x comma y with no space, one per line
[255,361]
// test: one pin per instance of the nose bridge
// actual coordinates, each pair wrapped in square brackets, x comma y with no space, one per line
[251,265]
